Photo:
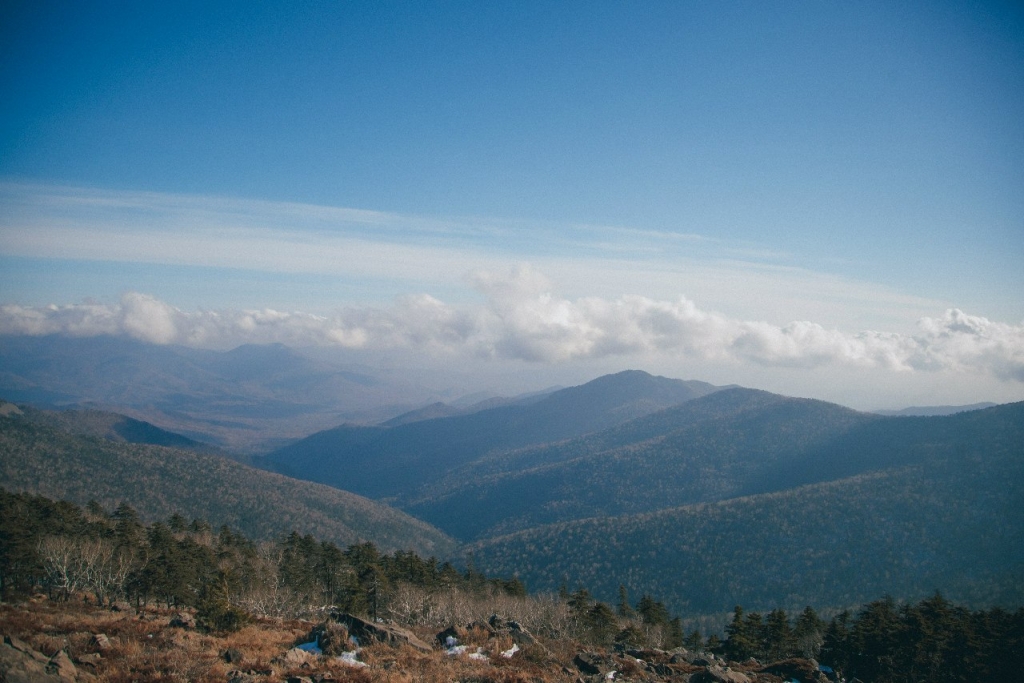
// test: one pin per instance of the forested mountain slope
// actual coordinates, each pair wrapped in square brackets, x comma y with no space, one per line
[111,426]
[712,448]
[383,462]
[159,481]
[948,515]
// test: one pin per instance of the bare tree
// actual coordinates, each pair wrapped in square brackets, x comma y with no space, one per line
[63,563]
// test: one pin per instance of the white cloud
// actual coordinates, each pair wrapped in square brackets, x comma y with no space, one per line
[522,318]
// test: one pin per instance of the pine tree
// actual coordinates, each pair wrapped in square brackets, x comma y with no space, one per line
[674,636]
[778,637]
[808,634]
[623,608]
[740,643]
[601,623]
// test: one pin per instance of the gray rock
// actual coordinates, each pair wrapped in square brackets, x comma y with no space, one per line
[19,666]
[90,659]
[717,674]
[100,642]
[61,665]
[296,657]
[366,631]
[591,663]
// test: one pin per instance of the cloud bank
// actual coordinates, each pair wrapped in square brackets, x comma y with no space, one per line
[521,318]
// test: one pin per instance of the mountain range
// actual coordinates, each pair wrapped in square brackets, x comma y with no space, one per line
[396,461]
[248,399]
[703,496]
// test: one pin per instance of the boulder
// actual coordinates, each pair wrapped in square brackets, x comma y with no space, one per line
[718,674]
[520,636]
[592,664]
[91,659]
[232,655]
[183,620]
[100,642]
[366,631]
[295,658]
[20,666]
[801,669]
[331,638]
[62,666]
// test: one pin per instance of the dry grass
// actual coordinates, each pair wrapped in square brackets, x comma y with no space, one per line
[145,648]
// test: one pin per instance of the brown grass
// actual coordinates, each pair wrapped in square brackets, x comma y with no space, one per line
[145,648]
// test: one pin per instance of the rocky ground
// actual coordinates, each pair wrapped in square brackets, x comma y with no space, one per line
[46,641]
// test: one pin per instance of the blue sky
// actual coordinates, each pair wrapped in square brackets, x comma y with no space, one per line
[535,184]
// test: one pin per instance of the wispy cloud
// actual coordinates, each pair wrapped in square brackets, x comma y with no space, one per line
[522,318]
[425,254]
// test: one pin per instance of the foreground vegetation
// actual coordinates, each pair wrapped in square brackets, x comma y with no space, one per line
[175,597]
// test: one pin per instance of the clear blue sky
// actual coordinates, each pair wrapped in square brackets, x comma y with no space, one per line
[855,165]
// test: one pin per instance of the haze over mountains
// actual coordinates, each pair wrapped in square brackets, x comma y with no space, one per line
[703,496]
[240,399]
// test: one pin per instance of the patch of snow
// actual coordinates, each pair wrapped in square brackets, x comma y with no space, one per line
[457,650]
[312,648]
[507,654]
[349,659]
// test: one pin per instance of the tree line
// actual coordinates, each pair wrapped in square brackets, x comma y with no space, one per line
[65,551]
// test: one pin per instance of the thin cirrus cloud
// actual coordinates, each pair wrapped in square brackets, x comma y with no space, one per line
[521,318]
[387,254]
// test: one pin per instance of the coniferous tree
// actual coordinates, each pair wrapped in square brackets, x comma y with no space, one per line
[674,636]
[652,612]
[808,634]
[623,607]
[741,643]
[601,623]
[778,636]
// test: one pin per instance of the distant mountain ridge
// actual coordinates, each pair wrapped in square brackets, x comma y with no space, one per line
[385,462]
[158,481]
[931,411]
[716,447]
[238,399]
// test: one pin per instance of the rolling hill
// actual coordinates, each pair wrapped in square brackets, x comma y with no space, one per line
[160,481]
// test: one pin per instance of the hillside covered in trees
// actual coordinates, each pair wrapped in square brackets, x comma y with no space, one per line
[159,481]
